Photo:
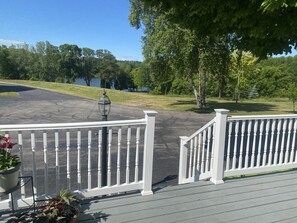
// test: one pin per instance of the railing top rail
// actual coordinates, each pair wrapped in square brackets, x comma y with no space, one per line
[210,123]
[73,125]
[261,117]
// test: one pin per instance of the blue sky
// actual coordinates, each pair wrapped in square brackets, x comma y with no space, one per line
[97,24]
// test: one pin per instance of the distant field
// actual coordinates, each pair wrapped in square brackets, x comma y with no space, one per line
[168,102]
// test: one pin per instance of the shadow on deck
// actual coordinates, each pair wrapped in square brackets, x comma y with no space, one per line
[266,198]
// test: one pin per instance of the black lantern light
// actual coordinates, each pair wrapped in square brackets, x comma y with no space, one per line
[104,105]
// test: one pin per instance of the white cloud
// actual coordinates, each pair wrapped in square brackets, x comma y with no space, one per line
[10,42]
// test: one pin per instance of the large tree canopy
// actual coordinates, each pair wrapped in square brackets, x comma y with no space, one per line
[173,53]
[262,27]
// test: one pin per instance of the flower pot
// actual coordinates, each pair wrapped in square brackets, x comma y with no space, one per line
[9,178]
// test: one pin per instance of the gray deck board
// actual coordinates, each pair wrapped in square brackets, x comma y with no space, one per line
[266,198]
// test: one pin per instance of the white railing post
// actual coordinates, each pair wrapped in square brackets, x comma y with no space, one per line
[219,146]
[148,152]
[182,172]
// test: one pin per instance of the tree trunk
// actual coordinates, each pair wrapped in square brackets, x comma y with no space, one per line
[105,83]
[202,103]
[237,89]
[238,77]
[221,86]
[194,90]
[88,81]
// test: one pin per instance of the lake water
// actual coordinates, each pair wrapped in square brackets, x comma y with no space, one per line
[95,82]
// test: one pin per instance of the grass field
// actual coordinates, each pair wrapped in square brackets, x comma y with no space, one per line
[8,93]
[167,102]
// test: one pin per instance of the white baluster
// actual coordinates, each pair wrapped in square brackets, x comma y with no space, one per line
[260,143]
[99,158]
[254,143]
[195,155]
[45,162]
[199,152]
[20,144]
[137,154]
[78,159]
[213,146]
[57,161]
[10,195]
[203,152]
[288,141]
[109,158]
[247,150]
[271,142]
[119,157]
[190,159]
[128,155]
[241,145]
[229,145]
[89,159]
[33,147]
[208,149]
[294,141]
[281,158]
[279,126]
[68,174]
[266,143]
[235,146]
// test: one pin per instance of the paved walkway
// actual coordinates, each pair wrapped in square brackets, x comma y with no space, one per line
[39,106]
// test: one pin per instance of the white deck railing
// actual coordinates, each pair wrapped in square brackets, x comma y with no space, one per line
[260,143]
[69,156]
[196,154]
[244,145]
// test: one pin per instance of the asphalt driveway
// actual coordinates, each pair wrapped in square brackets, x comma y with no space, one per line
[40,106]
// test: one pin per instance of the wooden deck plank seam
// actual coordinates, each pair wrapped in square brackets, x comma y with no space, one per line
[235,184]
[195,210]
[289,220]
[202,200]
[215,192]
[261,215]
[208,199]
[208,206]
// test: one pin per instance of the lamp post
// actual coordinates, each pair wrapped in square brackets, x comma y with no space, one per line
[104,105]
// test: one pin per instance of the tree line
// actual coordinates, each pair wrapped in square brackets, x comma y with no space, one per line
[65,63]
[225,73]
[245,77]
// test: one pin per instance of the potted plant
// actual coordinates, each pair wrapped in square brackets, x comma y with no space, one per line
[60,209]
[9,165]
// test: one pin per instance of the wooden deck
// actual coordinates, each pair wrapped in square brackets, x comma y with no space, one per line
[265,198]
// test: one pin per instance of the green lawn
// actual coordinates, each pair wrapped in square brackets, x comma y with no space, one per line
[5,93]
[168,102]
